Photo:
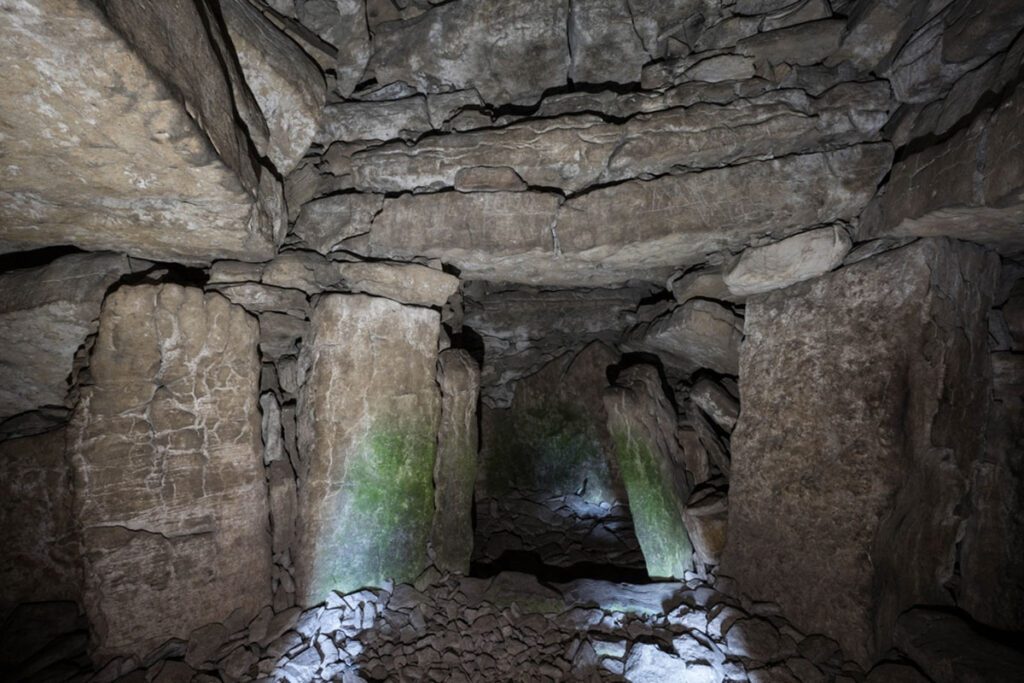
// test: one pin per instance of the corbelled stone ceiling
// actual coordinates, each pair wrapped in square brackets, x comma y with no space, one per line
[479,340]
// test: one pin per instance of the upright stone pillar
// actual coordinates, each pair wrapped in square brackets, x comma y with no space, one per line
[455,470]
[169,480]
[643,425]
[368,417]
[863,408]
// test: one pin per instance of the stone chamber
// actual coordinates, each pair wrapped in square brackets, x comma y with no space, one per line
[512,340]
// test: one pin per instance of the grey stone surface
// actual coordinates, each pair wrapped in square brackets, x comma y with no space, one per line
[46,313]
[801,257]
[874,486]
[169,481]
[455,468]
[699,334]
[368,417]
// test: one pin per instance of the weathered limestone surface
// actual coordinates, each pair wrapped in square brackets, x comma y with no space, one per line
[577,151]
[699,334]
[527,51]
[970,186]
[633,229]
[169,480]
[101,154]
[46,313]
[861,392]
[368,418]
[325,223]
[455,469]
[794,259]
[40,560]
[287,85]
[643,425]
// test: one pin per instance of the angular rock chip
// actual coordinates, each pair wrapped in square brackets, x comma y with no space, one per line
[794,259]
[169,479]
[101,154]
[716,402]
[643,425]
[528,54]
[700,333]
[325,223]
[455,468]
[706,517]
[46,313]
[287,84]
[368,418]
[846,390]
[603,43]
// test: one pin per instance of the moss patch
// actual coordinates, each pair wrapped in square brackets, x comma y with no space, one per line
[656,512]
[385,510]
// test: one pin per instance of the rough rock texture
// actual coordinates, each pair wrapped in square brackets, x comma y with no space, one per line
[455,469]
[860,396]
[794,259]
[169,482]
[992,555]
[46,313]
[707,517]
[286,84]
[40,559]
[525,328]
[368,417]
[526,53]
[643,426]
[698,334]
[101,155]
[968,187]
[324,224]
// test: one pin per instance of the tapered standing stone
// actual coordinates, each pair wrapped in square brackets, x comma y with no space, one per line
[643,425]
[864,394]
[170,490]
[455,471]
[368,417]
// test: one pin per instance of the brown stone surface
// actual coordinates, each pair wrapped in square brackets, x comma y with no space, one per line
[851,456]
[46,313]
[40,558]
[698,334]
[102,155]
[455,469]
[169,481]
[368,416]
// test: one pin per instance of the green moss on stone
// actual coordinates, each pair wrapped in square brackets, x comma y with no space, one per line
[386,505]
[656,511]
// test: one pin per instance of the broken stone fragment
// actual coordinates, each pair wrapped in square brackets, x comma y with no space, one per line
[603,43]
[169,479]
[287,85]
[794,259]
[352,121]
[706,518]
[342,23]
[455,468]
[716,402]
[642,424]
[702,333]
[46,314]
[325,223]
[368,417]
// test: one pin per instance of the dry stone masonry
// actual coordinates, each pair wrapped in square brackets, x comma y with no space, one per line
[512,340]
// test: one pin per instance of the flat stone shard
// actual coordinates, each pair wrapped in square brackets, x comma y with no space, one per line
[169,479]
[707,517]
[527,52]
[368,418]
[643,426]
[455,468]
[846,408]
[46,313]
[40,560]
[794,259]
[287,84]
[325,223]
[101,155]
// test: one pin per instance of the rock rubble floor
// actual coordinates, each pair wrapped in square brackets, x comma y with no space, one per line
[506,628]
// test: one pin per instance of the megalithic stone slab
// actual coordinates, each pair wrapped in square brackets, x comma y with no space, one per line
[864,394]
[170,490]
[643,425]
[455,470]
[368,417]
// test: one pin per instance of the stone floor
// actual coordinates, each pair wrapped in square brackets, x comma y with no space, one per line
[506,628]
